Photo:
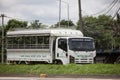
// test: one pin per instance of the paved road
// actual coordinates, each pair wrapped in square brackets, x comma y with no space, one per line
[37,78]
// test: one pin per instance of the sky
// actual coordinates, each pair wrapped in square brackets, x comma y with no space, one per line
[47,11]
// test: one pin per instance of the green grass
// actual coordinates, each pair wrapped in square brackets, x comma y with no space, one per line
[86,69]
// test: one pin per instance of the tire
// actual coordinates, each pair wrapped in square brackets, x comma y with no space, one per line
[118,60]
[59,62]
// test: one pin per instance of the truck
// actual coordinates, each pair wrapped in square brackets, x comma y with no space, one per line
[59,46]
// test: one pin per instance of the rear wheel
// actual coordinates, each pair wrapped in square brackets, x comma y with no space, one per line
[118,60]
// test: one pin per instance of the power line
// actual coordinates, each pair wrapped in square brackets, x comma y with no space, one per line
[114,10]
[109,6]
[13,18]
[116,13]
[9,17]
[117,10]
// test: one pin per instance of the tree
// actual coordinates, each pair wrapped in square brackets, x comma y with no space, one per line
[100,28]
[36,25]
[118,19]
[64,23]
[0,38]
[117,23]
[12,24]
[116,29]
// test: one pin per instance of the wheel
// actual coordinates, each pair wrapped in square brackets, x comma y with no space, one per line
[58,62]
[118,60]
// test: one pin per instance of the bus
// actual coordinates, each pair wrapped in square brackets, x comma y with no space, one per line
[59,46]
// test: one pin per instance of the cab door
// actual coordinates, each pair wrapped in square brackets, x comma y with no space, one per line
[62,50]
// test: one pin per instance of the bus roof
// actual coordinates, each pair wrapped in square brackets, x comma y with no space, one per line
[51,32]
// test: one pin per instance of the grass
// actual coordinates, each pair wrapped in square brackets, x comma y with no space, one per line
[86,69]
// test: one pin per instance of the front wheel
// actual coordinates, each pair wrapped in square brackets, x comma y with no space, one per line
[58,62]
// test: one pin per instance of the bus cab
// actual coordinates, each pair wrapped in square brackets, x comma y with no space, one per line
[75,50]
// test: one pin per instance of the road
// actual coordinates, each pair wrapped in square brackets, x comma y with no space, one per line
[37,78]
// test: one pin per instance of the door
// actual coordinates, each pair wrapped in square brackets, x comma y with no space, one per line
[62,50]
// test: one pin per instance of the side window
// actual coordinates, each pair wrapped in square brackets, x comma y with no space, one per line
[10,40]
[46,40]
[40,39]
[33,40]
[43,39]
[62,44]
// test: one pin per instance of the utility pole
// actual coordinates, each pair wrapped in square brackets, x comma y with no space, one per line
[2,55]
[80,15]
[68,13]
[60,1]
[59,12]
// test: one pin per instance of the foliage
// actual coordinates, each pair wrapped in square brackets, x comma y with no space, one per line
[0,38]
[102,29]
[88,69]
[12,24]
[36,25]
[64,23]
[117,31]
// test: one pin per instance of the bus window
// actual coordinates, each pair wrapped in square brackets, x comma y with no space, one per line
[46,39]
[9,42]
[40,39]
[15,42]
[33,42]
[43,42]
[21,42]
[27,42]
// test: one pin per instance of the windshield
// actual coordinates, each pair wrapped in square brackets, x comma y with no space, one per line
[81,44]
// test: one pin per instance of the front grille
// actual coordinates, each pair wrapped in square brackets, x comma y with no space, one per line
[89,60]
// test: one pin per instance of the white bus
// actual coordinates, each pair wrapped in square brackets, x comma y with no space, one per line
[62,46]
